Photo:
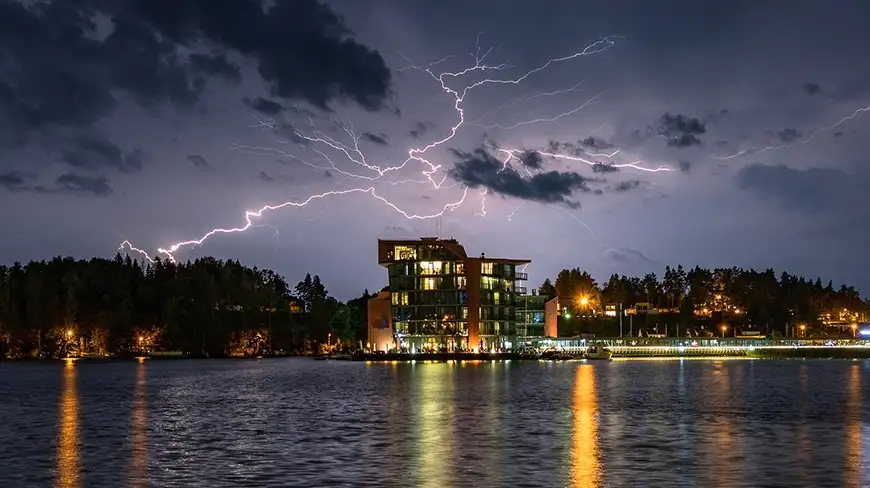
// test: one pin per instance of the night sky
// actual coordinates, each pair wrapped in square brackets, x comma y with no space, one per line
[157,121]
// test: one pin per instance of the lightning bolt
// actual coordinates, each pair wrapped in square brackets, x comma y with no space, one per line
[812,136]
[348,146]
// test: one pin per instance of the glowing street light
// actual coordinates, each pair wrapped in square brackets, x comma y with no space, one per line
[584,301]
[724,328]
[69,333]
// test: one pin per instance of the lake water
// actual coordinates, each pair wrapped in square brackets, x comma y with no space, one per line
[297,422]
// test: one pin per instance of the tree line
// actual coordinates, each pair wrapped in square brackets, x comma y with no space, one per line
[729,297]
[207,307]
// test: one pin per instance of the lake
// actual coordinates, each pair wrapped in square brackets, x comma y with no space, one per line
[297,422]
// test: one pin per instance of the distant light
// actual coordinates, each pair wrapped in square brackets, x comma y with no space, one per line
[864,332]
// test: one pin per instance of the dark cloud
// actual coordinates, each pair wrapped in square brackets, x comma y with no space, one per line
[61,66]
[681,131]
[604,168]
[420,129]
[578,148]
[379,139]
[789,135]
[265,106]
[624,186]
[480,169]
[95,153]
[13,181]
[812,88]
[812,191]
[685,166]
[199,161]
[73,183]
[595,143]
[531,159]
[627,255]
[684,140]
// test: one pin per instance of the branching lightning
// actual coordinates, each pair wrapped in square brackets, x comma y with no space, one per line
[808,139]
[357,165]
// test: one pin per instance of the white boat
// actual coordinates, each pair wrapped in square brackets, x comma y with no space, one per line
[598,352]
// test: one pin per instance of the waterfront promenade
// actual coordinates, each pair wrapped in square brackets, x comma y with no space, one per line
[638,347]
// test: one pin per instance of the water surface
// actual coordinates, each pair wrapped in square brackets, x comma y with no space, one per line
[296,422]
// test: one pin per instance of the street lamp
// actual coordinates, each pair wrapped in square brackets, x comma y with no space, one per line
[69,333]
[802,328]
[724,328]
[584,301]
[854,330]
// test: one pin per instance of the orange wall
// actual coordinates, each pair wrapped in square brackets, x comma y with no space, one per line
[551,318]
[378,311]
[472,277]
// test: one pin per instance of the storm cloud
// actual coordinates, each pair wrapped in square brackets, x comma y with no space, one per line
[103,50]
[681,131]
[479,169]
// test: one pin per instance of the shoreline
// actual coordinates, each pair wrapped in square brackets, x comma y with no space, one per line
[758,353]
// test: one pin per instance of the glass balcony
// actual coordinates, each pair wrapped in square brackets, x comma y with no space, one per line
[520,290]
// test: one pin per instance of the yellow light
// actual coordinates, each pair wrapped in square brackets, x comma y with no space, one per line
[584,301]
[69,333]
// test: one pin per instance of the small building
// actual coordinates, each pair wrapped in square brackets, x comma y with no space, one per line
[380,329]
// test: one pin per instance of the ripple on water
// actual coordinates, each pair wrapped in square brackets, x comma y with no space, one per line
[274,423]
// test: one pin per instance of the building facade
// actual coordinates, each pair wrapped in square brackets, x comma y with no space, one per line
[443,300]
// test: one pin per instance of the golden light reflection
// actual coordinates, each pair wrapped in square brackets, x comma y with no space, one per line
[436,436]
[853,474]
[68,468]
[139,430]
[585,462]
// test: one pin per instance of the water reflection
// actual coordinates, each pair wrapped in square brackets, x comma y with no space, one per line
[139,430]
[68,462]
[436,436]
[853,472]
[585,462]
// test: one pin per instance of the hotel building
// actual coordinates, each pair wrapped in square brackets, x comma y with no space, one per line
[440,299]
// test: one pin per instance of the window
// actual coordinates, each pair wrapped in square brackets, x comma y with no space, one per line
[464,313]
[428,284]
[400,298]
[488,282]
[405,253]
[486,268]
[430,267]
[460,282]
[496,298]
[460,268]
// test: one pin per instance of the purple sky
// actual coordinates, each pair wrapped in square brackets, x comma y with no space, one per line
[147,121]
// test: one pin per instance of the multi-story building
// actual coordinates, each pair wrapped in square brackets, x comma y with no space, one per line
[443,300]
[531,315]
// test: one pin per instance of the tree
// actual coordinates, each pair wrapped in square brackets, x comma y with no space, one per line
[547,289]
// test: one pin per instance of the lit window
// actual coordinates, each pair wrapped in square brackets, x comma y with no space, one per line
[428,283]
[495,298]
[486,268]
[395,297]
[430,267]
[405,253]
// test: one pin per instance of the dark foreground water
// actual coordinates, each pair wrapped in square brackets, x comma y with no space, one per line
[309,423]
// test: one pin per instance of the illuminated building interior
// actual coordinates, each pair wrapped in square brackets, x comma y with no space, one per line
[441,300]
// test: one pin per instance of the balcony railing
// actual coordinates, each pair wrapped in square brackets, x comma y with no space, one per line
[521,276]
[520,290]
